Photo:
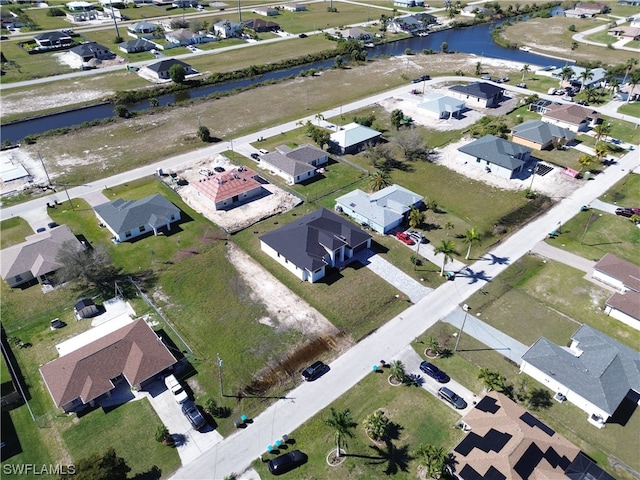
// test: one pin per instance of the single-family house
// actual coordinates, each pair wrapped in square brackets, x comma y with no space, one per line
[357,34]
[295,165]
[475,10]
[442,106]
[540,135]
[624,307]
[408,3]
[407,24]
[498,156]
[580,77]
[83,16]
[308,246]
[227,190]
[130,219]
[266,11]
[80,6]
[53,40]
[136,46]
[142,28]
[478,94]
[133,354]
[92,51]
[85,308]
[218,5]
[227,29]
[595,373]
[294,7]
[569,115]
[260,25]
[160,69]
[504,441]
[629,2]
[631,33]
[383,210]
[184,36]
[37,257]
[596,7]
[629,93]
[352,137]
[617,273]
[185,3]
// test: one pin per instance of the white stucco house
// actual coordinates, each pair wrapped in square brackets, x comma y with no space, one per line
[624,276]
[595,373]
[295,165]
[311,245]
[383,210]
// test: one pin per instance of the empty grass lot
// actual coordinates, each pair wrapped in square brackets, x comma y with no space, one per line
[14,230]
[420,418]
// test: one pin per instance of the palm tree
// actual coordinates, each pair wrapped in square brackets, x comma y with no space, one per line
[565,74]
[584,161]
[376,425]
[471,236]
[379,180]
[448,226]
[397,370]
[433,458]
[492,380]
[633,81]
[601,152]
[602,130]
[416,217]
[478,69]
[628,66]
[447,248]
[586,75]
[614,83]
[342,423]
[525,68]
[318,117]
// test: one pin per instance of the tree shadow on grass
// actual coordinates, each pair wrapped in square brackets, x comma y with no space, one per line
[396,458]
[154,473]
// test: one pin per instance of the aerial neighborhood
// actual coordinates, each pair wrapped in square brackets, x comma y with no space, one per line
[320,239]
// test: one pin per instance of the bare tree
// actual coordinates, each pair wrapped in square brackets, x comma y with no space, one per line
[411,143]
[88,268]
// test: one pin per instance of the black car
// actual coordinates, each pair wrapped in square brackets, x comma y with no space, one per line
[41,229]
[287,462]
[303,35]
[314,370]
[52,224]
[434,372]
[421,79]
[255,156]
[219,169]
[450,396]
[624,212]
[193,415]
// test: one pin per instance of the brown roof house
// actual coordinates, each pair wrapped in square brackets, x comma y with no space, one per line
[623,276]
[133,353]
[230,189]
[569,115]
[37,257]
[507,442]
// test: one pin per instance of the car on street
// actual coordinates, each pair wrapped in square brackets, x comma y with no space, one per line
[434,372]
[315,370]
[625,212]
[303,35]
[582,102]
[194,416]
[451,397]
[417,236]
[219,169]
[174,386]
[421,79]
[503,80]
[255,156]
[405,238]
[521,85]
[287,462]
[486,77]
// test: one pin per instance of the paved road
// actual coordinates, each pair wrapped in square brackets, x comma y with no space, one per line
[236,452]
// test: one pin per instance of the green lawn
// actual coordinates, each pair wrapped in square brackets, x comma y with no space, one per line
[128,429]
[13,231]
[420,418]
[625,192]
[632,108]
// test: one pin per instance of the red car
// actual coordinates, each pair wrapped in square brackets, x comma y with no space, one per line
[405,238]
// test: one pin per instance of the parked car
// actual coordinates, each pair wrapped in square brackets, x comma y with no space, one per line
[486,77]
[194,416]
[625,212]
[635,210]
[503,80]
[219,169]
[303,35]
[417,236]
[174,386]
[287,462]
[582,102]
[315,370]
[255,156]
[521,85]
[405,238]
[434,372]
[52,224]
[41,229]
[421,79]
[450,396]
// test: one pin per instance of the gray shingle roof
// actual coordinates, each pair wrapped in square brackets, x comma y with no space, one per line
[124,215]
[497,151]
[165,65]
[353,134]
[541,132]
[306,241]
[603,374]
[288,165]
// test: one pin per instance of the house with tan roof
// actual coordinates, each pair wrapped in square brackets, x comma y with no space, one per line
[569,115]
[625,277]
[295,165]
[632,33]
[133,354]
[230,189]
[37,257]
[504,441]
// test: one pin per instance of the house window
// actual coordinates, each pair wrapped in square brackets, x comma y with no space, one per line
[18,278]
[477,160]
[173,217]
[142,228]
[127,234]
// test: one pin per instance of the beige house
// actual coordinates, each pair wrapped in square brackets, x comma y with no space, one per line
[569,115]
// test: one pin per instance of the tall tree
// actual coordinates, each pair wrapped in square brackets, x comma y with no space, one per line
[177,73]
[379,180]
[525,69]
[601,151]
[397,116]
[448,249]
[584,161]
[89,268]
[628,66]
[448,226]
[433,458]
[471,237]
[585,76]
[100,467]
[565,74]
[602,131]
[416,217]
[492,380]
[342,424]
[633,81]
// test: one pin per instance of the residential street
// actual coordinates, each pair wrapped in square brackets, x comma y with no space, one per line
[235,453]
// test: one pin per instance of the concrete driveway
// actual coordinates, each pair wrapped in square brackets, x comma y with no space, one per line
[191,443]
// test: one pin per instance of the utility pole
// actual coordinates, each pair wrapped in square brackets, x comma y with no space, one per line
[465,307]
[239,13]
[45,169]
[220,374]
[68,197]
[115,23]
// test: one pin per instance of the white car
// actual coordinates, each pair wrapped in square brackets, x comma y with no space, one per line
[174,386]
